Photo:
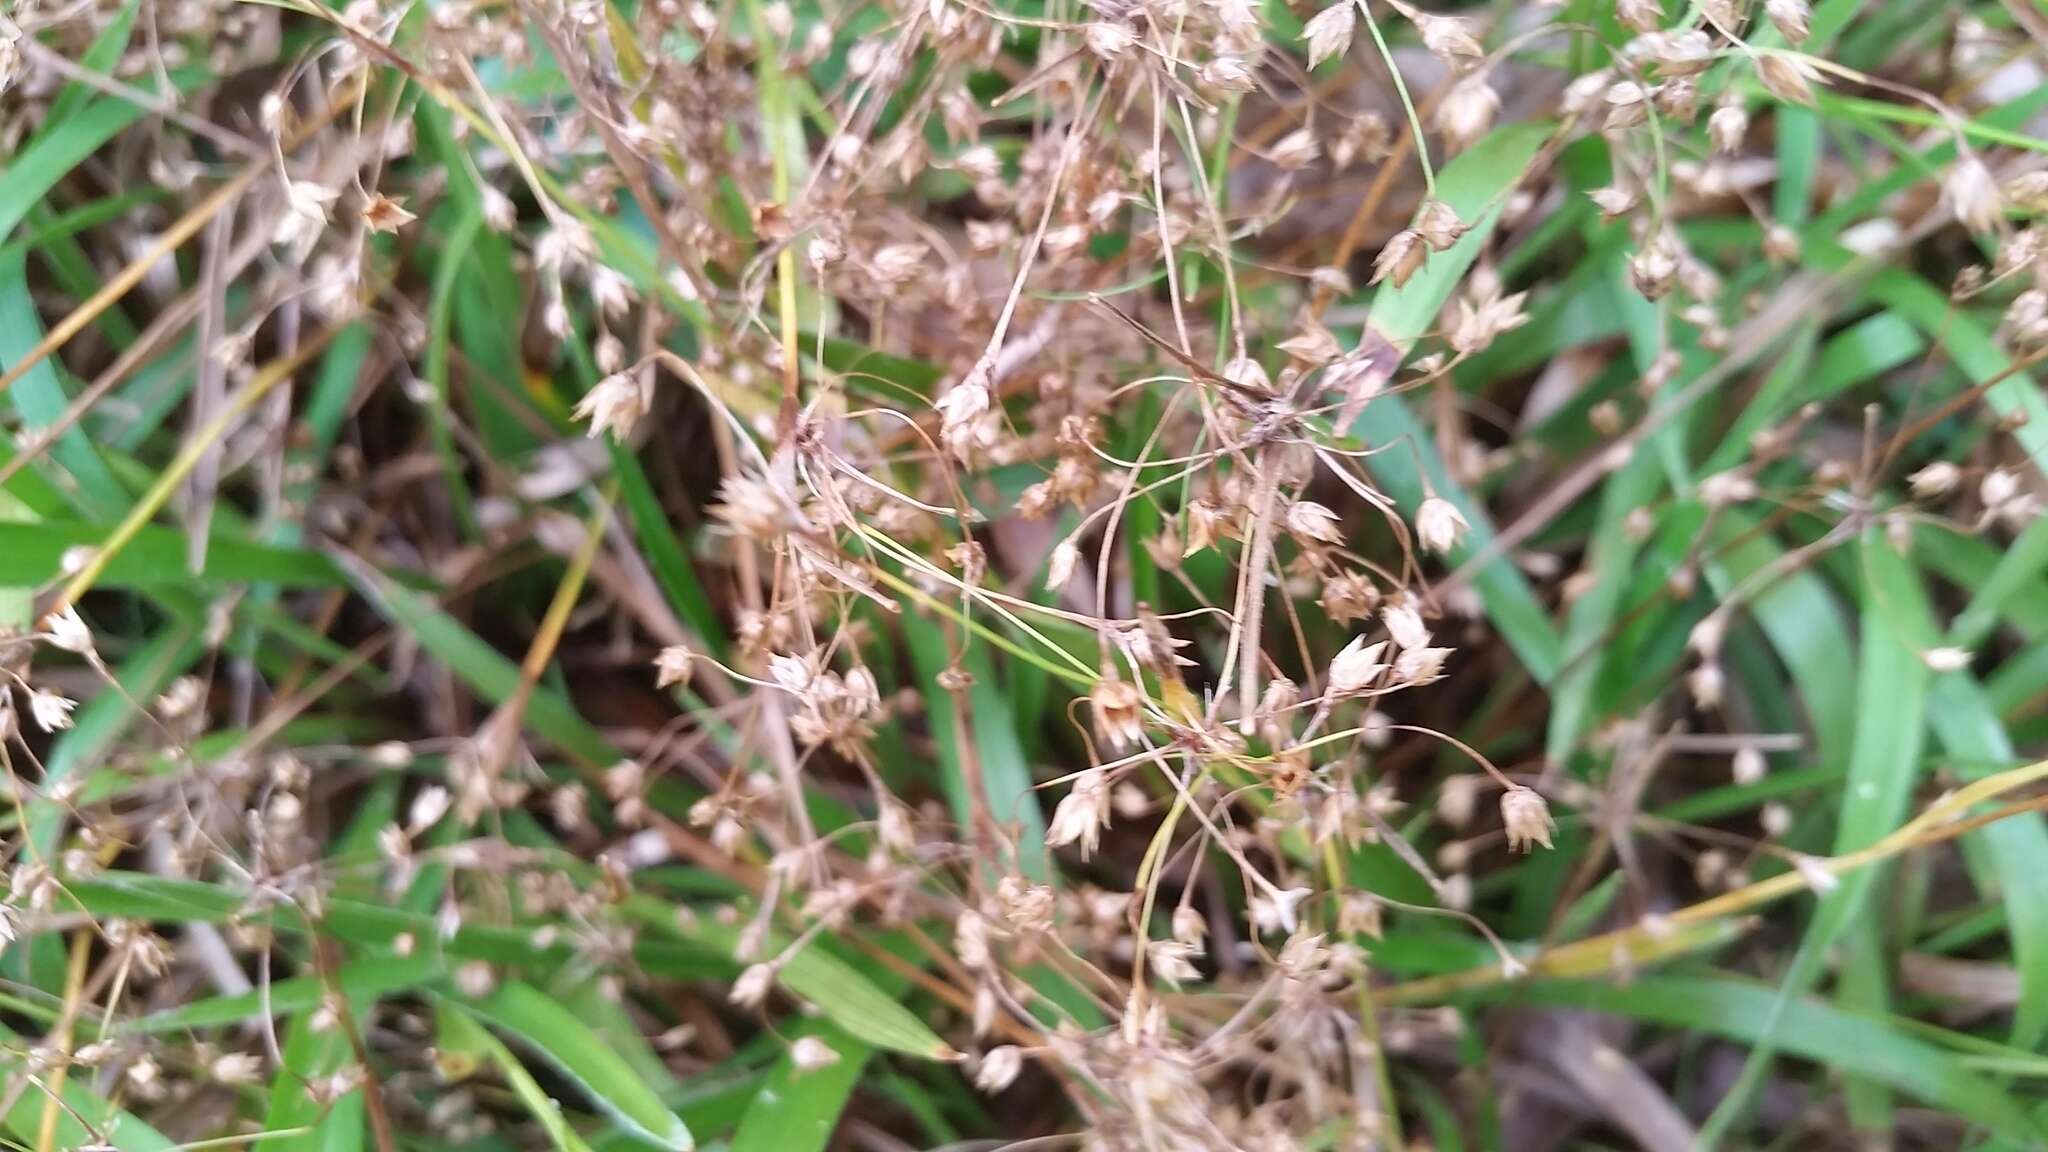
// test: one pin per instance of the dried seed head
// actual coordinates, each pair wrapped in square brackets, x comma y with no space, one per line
[1404,622]
[1244,370]
[1678,100]
[1816,873]
[1082,814]
[1278,911]
[1059,569]
[673,666]
[1791,18]
[753,986]
[1439,525]
[1727,126]
[968,423]
[2026,319]
[67,630]
[1229,74]
[1446,36]
[1781,244]
[2000,486]
[1329,32]
[1789,78]
[1628,104]
[1420,665]
[1295,151]
[1349,596]
[499,211]
[427,808]
[1640,15]
[1616,200]
[1365,137]
[1438,225]
[1526,818]
[616,404]
[1705,683]
[2028,190]
[998,1069]
[1110,39]
[1946,659]
[386,214]
[51,711]
[1654,267]
[1686,53]
[475,979]
[1356,667]
[305,216]
[1400,258]
[1467,112]
[1312,345]
[1705,637]
[1312,521]
[1972,194]
[1119,712]
[1585,94]
[1725,488]
[810,1054]
[1172,961]
[236,1068]
[1936,479]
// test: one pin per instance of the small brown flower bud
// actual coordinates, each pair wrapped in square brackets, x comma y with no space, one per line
[1526,818]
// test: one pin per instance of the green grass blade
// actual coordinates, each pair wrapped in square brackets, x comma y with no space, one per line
[1884,761]
[465,1043]
[1845,1041]
[2009,858]
[666,555]
[1011,800]
[797,1111]
[40,398]
[542,1024]
[839,990]
[488,672]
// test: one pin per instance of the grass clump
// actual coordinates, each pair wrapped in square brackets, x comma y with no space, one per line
[783,576]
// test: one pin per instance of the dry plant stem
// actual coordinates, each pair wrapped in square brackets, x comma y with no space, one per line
[768,704]
[1149,869]
[1368,208]
[1251,587]
[328,969]
[773,103]
[1750,342]
[1173,290]
[542,650]
[209,384]
[2029,16]
[1069,147]
[166,324]
[981,822]
[629,165]
[173,237]
[1368,1016]
[149,101]
[1958,402]
[1597,955]
[264,379]
[74,996]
